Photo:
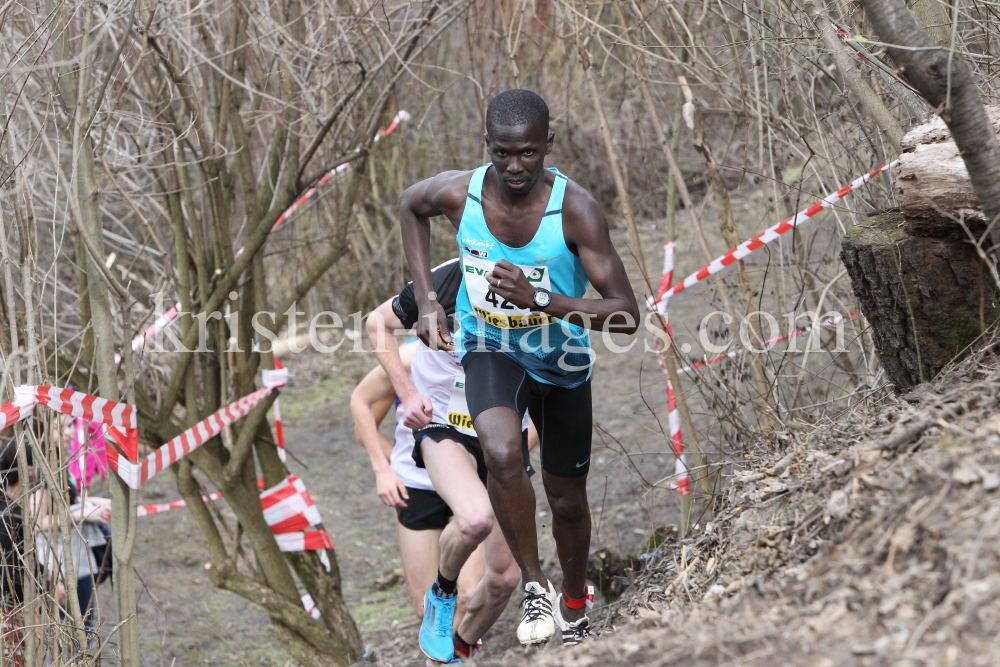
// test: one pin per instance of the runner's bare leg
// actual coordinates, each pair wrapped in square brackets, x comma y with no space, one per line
[513,498]
[489,599]
[571,529]
[468,579]
[419,551]
[453,472]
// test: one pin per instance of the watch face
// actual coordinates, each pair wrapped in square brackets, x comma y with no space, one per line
[542,298]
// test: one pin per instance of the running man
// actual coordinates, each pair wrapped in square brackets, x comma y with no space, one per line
[530,241]
[421,514]
[447,446]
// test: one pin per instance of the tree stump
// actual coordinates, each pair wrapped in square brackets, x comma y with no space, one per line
[927,298]
[919,278]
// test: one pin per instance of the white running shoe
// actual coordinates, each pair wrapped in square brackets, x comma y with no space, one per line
[537,625]
[572,633]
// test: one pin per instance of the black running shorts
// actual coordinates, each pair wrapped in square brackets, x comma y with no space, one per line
[438,432]
[425,510]
[563,417]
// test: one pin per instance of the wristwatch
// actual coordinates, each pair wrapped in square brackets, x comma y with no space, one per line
[542,297]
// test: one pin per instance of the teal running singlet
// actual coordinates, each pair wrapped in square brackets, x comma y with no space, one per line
[550,350]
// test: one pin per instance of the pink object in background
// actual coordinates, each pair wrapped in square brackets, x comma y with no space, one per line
[88,454]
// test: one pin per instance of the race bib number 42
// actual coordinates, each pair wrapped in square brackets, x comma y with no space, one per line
[493,308]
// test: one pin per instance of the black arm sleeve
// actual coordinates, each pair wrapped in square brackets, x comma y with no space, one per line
[445,279]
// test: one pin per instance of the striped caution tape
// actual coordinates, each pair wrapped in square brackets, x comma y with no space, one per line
[401,116]
[682,484]
[146,510]
[310,606]
[158,325]
[289,510]
[119,417]
[288,507]
[135,474]
[279,432]
[68,402]
[765,237]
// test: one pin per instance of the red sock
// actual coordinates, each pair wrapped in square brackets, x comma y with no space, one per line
[462,647]
[573,603]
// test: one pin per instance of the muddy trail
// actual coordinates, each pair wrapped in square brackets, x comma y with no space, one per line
[869,539]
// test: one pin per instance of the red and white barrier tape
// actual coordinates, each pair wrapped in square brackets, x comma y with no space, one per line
[279,433]
[289,510]
[310,606]
[682,484]
[156,327]
[146,510]
[765,237]
[137,474]
[288,507]
[306,541]
[777,339]
[402,116]
[68,402]
[119,417]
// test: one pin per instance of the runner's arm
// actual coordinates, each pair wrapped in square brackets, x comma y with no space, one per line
[443,194]
[382,325]
[370,401]
[616,311]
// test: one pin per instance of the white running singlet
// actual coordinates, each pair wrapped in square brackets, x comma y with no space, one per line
[439,376]
[401,460]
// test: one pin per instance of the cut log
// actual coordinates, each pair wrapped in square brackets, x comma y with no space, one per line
[932,184]
[918,277]
[927,298]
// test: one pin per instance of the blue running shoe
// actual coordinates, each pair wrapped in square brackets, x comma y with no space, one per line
[435,631]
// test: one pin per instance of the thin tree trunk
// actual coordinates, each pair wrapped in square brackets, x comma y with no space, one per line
[935,21]
[849,67]
[90,225]
[945,80]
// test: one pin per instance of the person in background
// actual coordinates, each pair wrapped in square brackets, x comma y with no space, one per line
[433,404]
[85,518]
[421,514]
[13,485]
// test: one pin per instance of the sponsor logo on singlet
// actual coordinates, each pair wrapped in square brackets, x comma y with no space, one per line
[475,252]
[478,243]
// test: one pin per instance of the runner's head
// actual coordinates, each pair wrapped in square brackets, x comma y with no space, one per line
[518,138]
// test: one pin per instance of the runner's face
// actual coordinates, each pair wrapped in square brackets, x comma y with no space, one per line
[518,154]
